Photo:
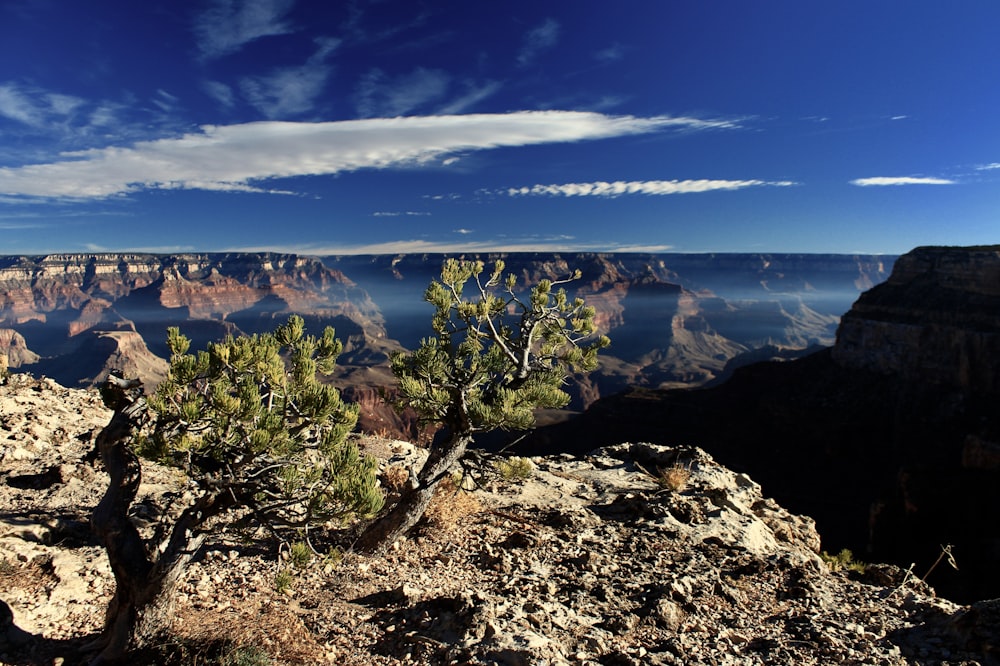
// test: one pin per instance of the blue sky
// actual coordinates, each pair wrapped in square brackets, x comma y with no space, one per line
[404,126]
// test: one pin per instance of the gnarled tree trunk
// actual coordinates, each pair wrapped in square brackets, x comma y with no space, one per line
[411,506]
[142,607]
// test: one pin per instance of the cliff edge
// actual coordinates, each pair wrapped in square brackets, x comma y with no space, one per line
[588,560]
[936,319]
[890,440]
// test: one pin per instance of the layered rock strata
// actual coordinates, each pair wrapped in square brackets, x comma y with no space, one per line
[936,319]
[72,306]
[891,440]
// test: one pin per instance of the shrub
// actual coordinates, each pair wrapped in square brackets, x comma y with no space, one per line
[674,478]
[843,560]
[259,438]
[245,655]
[515,468]
[300,554]
[283,581]
[396,477]
[451,503]
[495,357]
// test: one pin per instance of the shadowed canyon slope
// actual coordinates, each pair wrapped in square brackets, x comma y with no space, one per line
[675,320]
[84,314]
[587,560]
[891,439]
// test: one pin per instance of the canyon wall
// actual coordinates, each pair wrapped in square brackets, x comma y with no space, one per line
[84,314]
[675,320]
[935,320]
[891,439]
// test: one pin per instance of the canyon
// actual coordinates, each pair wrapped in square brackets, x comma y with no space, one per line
[879,425]
[890,439]
[587,560]
[675,320]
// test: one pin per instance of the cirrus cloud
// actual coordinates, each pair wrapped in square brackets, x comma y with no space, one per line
[651,187]
[227,25]
[239,157]
[878,181]
[540,38]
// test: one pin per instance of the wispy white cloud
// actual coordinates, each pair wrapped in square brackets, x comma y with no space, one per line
[380,96]
[285,92]
[61,122]
[21,226]
[612,53]
[652,187]
[220,92]
[472,95]
[900,180]
[290,91]
[164,101]
[419,246]
[226,25]
[540,38]
[105,115]
[35,107]
[146,249]
[239,157]
[464,232]
[988,167]
[400,213]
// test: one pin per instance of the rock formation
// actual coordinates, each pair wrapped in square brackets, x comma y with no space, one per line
[890,439]
[99,353]
[936,320]
[674,319]
[14,350]
[72,307]
[590,560]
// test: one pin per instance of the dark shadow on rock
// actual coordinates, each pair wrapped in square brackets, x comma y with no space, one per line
[21,648]
[429,630]
[974,629]
[37,481]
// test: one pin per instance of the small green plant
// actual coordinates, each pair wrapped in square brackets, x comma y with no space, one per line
[515,468]
[332,559]
[300,554]
[674,478]
[245,655]
[202,652]
[843,560]
[283,581]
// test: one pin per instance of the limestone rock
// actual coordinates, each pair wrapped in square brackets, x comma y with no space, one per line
[936,319]
[14,350]
[590,560]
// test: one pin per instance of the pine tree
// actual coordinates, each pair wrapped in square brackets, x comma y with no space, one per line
[495,357]
[259,435]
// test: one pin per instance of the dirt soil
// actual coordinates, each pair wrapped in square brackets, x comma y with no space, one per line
[584,560]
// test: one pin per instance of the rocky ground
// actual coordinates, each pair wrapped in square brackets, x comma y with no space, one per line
[589,560]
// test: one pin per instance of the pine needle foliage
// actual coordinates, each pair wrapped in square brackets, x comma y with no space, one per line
[249,419]
[496,355]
